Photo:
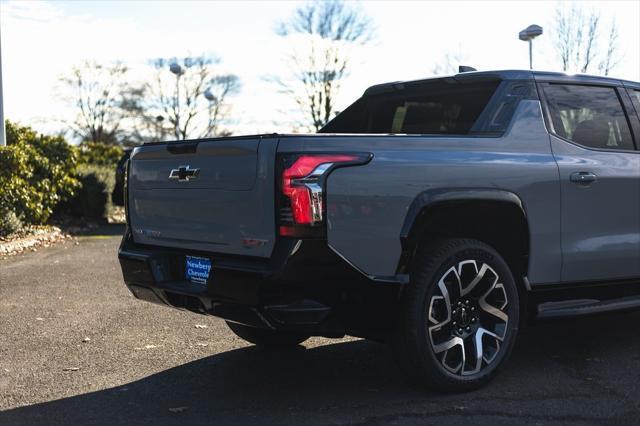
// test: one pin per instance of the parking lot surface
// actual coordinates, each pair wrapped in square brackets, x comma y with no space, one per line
[77,349]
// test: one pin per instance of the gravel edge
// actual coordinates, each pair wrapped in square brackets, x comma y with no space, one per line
[43,238]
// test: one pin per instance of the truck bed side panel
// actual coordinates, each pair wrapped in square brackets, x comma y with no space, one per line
[367,205]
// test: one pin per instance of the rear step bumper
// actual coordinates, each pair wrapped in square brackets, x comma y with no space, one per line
[303,287]
[300,315]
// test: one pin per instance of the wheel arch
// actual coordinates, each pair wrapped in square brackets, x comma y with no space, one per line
[496,217]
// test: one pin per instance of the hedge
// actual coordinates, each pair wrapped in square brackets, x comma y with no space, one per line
[37,172]
[92,200]
[99,154]
[40,174]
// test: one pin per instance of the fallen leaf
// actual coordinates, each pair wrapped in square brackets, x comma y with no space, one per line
[39,319]
[201,326]
[178,409]
[71,369]
[86,339]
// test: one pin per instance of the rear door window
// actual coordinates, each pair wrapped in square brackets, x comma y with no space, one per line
[635,98]
[591,116]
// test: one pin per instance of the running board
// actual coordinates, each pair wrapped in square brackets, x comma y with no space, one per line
[577,308]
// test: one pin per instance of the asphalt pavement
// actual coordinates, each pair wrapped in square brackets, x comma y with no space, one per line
[77,349]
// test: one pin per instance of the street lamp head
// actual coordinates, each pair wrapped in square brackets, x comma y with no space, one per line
[529,33]
[175,68]
[209,96]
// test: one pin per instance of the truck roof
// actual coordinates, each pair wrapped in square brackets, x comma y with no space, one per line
[504,75]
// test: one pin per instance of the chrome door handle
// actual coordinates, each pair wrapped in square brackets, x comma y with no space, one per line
[583,177]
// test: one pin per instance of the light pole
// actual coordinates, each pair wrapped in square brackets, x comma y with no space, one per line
[3,134]
[176,69]
[528,34]
[212,99]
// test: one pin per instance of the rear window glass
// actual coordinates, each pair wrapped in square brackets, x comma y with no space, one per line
[432,108]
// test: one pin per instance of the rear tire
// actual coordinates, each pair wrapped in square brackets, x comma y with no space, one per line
[267,338]
[459,315]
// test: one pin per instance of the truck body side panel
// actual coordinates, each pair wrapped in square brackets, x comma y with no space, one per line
[367,205]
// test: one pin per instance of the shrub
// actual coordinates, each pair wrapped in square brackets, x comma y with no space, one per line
[91,201]
[9,222]
[99,154]
[37,172]
[15,177]
[16,133]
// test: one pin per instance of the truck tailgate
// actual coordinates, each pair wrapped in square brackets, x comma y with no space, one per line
[214,195]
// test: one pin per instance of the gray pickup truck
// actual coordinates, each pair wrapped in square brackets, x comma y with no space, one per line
[436,215]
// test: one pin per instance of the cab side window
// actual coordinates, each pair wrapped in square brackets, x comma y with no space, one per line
[635,98]
[592,116]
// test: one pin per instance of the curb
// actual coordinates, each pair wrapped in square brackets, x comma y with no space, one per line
[31,242]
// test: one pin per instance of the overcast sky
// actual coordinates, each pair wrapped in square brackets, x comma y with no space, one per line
[41,40]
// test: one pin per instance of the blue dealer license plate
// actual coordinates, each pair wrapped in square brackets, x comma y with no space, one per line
[197,269]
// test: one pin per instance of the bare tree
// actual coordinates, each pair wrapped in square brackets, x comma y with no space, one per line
[577,37]
[611,58]
[185,98]
[326,31]
[97,92]
[141,125]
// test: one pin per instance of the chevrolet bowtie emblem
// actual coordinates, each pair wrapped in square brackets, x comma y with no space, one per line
[184,174]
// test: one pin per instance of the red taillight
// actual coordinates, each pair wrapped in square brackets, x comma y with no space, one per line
[305,164]
[300,204]
[302,185]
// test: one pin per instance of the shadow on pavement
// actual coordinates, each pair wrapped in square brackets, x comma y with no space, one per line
[230,385]
[107,229]
[552,377]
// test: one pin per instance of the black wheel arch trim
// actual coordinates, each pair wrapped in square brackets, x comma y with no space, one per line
[430,199]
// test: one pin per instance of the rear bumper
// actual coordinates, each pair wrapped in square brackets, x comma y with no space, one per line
[303,287]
